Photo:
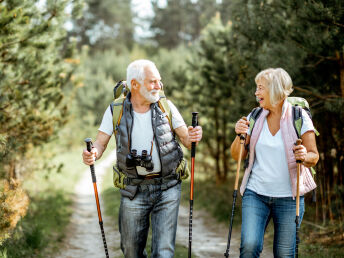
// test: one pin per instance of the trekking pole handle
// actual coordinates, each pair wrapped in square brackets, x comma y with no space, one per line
[242,136]
[89,146]
[194,124]
[194,119]
[298,142]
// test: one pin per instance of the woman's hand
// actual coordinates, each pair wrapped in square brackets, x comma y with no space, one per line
[300,152]
[242,126]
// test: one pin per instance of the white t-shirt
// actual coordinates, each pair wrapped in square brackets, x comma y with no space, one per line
[270,174]
[142,126]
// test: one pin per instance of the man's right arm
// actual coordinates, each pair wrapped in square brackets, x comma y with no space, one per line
[99,147]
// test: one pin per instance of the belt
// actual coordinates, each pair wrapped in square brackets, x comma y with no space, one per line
[150,179]
[150,176]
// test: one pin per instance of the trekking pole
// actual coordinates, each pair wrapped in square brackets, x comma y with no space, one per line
[298,162]
[242,143]
[193,154]
[94,180]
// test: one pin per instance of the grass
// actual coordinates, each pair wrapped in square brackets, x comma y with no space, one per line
[50,190]
[111,198]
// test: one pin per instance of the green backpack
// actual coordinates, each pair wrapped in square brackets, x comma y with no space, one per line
[120,92]
[298,104]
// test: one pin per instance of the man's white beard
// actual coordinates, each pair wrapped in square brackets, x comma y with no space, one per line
[148,95]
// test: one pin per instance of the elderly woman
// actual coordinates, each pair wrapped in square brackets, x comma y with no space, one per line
[269,183]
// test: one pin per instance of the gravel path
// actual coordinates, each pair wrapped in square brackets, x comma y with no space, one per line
[209,238]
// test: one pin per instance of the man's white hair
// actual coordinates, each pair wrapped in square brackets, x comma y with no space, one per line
[136,70]
[279,83]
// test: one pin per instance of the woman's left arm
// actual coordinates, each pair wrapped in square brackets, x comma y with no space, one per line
[307,152]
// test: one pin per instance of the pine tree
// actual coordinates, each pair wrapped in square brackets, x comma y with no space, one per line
[212,75]
[35,64]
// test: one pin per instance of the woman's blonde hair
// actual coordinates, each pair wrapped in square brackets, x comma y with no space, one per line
[279,83]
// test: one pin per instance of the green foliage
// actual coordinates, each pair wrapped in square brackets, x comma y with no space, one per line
[105,24]
[209,85]
[34,67]
[168,63]
[47,217]
[40,232]
[99,74]
[180,21]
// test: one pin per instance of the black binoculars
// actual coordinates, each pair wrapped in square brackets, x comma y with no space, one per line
[144,160]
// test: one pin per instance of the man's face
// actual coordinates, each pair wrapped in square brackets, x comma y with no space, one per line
[151,85]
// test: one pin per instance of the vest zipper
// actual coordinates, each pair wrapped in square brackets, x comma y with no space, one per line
[130,132]
[154,136]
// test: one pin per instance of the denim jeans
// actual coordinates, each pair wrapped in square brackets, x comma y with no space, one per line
[134,219]
[257,210]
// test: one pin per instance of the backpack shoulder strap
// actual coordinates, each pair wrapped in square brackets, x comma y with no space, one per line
[117,111]
[297,120]
[165,108]
[255,113]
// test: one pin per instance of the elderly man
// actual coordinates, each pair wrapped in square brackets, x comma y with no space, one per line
[149,188]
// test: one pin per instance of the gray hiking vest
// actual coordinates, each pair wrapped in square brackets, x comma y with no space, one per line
[170,152]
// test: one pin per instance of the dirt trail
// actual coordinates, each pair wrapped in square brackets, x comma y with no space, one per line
[84,238]
[209,238]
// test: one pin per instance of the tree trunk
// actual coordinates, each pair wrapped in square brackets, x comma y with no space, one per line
[341,69]
[323,202]
[218,151]
[340,162]
[329,201]
[224,148]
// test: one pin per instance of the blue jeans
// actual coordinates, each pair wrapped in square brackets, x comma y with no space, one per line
[163,207]
[257,210]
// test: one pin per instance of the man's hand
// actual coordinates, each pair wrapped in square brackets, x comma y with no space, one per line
[187,135]
[195,133]
[89,157]
[97,150]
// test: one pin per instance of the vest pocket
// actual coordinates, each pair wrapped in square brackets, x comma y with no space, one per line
[118,178]
[183,169]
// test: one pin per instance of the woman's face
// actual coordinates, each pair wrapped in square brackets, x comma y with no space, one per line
[262,93]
